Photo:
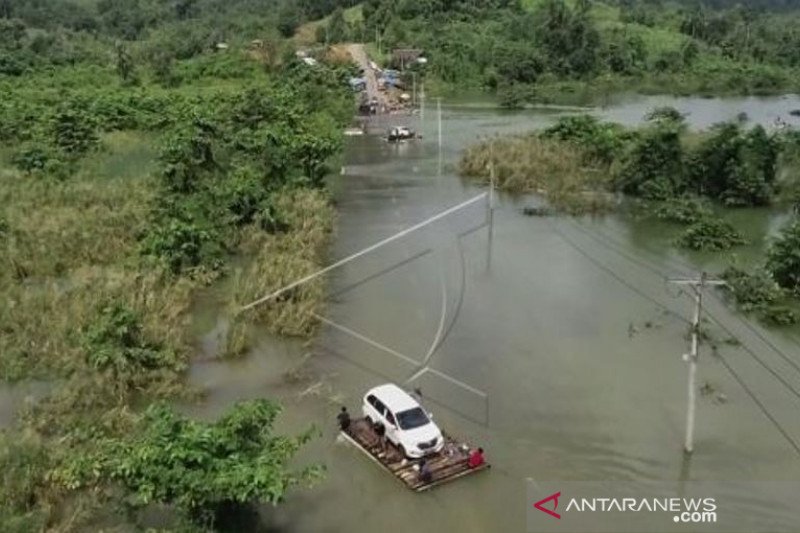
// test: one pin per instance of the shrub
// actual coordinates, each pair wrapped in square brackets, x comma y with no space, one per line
[710,234]
[200,468]
[783,258]
[735,167]
[115,343]
[752,292]
[684,210]
[602,142]
[781,315]
[653,166]
[188,156]
[32,157]
[74,131]
[183,244]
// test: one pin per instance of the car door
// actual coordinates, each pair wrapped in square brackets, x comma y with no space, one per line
[392,431]
[373,409]
[377,410]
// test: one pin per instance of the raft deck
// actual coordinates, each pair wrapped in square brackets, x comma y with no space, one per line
[447,465]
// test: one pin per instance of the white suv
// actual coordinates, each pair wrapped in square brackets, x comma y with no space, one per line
[407,425]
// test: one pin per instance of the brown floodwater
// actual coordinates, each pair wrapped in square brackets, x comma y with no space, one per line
[571,336]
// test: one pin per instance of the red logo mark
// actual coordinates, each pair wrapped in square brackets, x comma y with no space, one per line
[554,497]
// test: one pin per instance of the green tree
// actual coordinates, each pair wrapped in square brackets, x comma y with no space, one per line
[125,66]
[74,130]
[653,167]
[288,19]
[736,167]
[783,258]
[203,469]
[337,31]
[751,178]
[116,346]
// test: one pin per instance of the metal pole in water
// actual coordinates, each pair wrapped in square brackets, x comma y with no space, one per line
[439,120]
[490,210]
[422,106]
[697,285]
[439,125]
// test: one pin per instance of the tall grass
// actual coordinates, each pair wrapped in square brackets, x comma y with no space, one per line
[69,247]
[554,169]
[278,260]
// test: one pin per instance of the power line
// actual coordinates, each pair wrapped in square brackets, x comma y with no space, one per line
[752,354]
[620,279]
[363,252]
[736,316]
[760,405]
[728,367]
[615,244]
[617,247]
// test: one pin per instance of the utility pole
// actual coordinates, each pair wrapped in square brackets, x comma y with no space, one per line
[439,126]
[422,104]
[697,286]
[439,121]
[490,208]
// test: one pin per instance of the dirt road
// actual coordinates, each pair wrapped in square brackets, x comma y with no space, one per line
[359,55]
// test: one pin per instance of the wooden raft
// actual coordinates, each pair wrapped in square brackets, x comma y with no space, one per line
[447,465]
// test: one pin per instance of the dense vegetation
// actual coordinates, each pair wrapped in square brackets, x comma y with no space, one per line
[145,145]
[561,50]
[583,165]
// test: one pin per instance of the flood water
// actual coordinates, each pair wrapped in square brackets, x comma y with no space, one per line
[568,340]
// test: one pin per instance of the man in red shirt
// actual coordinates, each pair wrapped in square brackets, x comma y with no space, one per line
[475,458]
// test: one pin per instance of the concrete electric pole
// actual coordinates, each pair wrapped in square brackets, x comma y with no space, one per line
[697,286]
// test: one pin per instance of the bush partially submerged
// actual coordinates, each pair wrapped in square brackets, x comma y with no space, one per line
[556,169]
[200,468]
[783,258]
[684,210]
[710,234]
[753,292]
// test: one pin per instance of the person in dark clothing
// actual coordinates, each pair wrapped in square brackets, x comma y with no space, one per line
[425,474]
[380,431]
[344,419]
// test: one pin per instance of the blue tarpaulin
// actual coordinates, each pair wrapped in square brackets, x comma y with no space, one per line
[358,84]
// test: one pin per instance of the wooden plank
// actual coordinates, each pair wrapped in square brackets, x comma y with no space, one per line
[468,471]
[444,468]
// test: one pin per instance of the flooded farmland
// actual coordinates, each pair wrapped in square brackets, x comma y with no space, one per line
[560,354]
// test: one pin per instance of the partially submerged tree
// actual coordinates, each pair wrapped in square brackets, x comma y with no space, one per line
[783,258]
[202,469]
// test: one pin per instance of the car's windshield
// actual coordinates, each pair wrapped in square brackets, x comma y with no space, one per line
[413,418]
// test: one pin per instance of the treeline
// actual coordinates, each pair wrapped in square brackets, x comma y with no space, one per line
[45,33]
[514,46]
[582,165]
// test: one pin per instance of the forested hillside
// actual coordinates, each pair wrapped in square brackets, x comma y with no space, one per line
[547,49]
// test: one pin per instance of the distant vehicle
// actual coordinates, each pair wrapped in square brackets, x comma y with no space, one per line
[407,425]
[400,133]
